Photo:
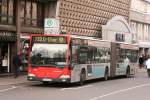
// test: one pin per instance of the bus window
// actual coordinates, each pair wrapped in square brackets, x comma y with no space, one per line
[90,55]
[96,55]
[104,55]
[74,54]
[122,55]
[134,56]
[83,55]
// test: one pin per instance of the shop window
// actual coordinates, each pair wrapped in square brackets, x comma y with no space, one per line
[31,13]
[7,12]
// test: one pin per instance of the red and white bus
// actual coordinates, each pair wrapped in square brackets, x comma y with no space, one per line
[69,59]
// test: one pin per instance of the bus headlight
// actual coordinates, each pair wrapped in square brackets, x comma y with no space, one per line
[64,76]
[31,75]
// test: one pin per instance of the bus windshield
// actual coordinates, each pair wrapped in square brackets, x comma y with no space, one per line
[50,55]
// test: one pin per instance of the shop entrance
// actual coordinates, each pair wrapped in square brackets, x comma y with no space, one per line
[4,58]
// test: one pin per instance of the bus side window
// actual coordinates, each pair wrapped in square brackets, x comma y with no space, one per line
[120,56]
[83,55]
[74,54]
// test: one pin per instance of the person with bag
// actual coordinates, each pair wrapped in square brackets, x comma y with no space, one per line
[17,64]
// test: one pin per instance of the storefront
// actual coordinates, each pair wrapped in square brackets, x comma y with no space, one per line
[7,46]
[144,48]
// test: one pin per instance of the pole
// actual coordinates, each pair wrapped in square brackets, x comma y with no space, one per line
[18,21]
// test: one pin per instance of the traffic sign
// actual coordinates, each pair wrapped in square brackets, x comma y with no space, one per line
[51,26]
[51,22]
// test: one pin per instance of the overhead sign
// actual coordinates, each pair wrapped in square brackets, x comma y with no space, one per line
[51,26]
[49,39]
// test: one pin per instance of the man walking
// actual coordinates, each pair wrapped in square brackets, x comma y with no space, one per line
[17,64]
[141,61]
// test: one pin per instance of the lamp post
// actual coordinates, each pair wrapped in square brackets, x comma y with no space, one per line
[18,24]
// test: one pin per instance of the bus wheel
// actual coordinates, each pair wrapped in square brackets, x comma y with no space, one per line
[128,72]
[82,77]
[106,74]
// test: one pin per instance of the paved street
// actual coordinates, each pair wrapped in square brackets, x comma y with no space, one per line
[135,88]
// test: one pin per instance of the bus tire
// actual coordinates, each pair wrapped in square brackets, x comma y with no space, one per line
[82,77]
[106,74]
[128,72]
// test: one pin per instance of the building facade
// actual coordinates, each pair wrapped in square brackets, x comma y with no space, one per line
[20,18]
[140,24]
[86,17]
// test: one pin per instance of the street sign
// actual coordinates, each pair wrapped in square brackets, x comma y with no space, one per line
[51,31]
[51,26]
[51,22]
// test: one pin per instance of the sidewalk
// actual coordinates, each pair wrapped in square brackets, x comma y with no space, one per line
[142,70]
[10,80]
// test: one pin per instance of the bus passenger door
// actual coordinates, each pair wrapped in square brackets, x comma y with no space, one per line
[119,61]
[75,67]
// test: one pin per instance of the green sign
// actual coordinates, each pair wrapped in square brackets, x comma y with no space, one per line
[50,22]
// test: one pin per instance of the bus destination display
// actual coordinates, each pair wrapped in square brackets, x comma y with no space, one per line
[49,39]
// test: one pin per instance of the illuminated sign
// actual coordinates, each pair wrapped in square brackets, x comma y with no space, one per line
[49,39]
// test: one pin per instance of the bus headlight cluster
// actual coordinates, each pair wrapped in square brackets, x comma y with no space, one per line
[64,76]
[31,75]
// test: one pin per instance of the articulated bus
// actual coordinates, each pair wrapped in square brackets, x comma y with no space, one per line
[69,59]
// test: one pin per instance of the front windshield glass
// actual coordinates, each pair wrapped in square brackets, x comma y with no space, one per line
[43,54]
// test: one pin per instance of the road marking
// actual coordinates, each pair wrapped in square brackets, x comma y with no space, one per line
[6,84]
[81,87]
[13,87]
[119,91]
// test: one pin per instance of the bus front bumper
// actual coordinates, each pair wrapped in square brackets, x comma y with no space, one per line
[53,80]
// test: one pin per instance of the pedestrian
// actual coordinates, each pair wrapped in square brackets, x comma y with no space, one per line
[148,66]
[141,61]
[17,64]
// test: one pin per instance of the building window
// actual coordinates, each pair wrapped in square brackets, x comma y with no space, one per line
[120,37]
[7,12]
[31,13]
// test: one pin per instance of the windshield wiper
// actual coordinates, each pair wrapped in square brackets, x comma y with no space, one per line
[47,65]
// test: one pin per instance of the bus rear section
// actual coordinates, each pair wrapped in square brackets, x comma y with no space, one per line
[124,59]
[48,59]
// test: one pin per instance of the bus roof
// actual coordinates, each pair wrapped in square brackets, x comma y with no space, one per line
[89,38]
[94,41]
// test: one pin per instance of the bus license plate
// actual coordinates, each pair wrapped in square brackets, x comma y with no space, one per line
[47,79]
